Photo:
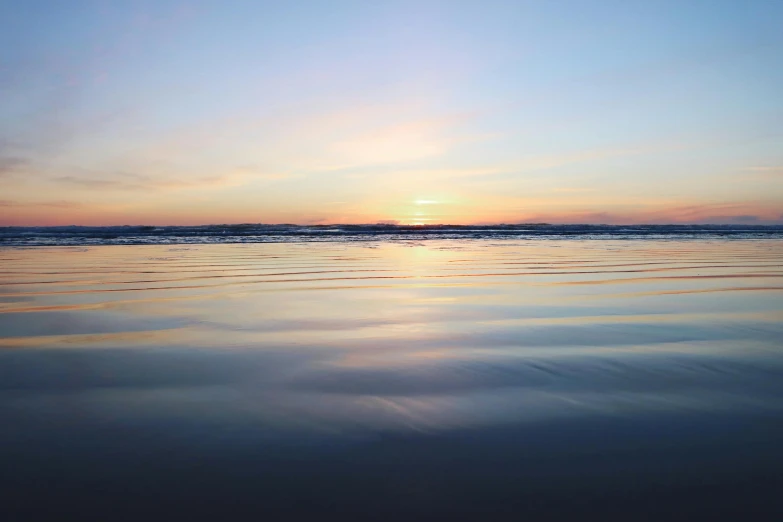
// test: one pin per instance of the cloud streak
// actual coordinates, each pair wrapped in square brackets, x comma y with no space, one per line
[6,203]
[674,214]
[140,182]
[11,165]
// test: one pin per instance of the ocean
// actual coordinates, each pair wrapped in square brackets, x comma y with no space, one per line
[518,372]
[260,233]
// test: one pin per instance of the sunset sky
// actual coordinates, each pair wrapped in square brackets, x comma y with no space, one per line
[232,111]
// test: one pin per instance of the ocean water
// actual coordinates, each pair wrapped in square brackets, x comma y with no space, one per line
[260,233]
[605,375]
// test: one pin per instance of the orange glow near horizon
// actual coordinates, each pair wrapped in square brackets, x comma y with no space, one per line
[407,214]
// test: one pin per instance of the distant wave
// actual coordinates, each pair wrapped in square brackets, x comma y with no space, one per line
[261,233]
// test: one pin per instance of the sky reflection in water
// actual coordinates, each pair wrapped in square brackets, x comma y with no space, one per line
[661,361]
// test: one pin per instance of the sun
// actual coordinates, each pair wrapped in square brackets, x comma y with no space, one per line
[418,212]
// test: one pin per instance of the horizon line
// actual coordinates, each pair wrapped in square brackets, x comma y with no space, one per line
[410,225]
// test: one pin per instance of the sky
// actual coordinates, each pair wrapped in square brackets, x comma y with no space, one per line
[417,112]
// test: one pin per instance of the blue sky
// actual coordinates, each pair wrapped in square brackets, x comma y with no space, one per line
[115,112]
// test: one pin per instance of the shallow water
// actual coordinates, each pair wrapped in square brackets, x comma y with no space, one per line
[635,379]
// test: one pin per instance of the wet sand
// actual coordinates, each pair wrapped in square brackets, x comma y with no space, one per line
[475,379]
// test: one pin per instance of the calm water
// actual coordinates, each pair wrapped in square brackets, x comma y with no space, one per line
[478,379]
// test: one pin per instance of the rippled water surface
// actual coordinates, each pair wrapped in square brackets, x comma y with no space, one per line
[477,378]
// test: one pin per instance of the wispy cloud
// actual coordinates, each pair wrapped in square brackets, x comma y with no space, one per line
[130,181]
[728,213]
[116,182]
[10,165]
[512,170]
[365,135]
[744,218]
[6,203]
[397,143]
